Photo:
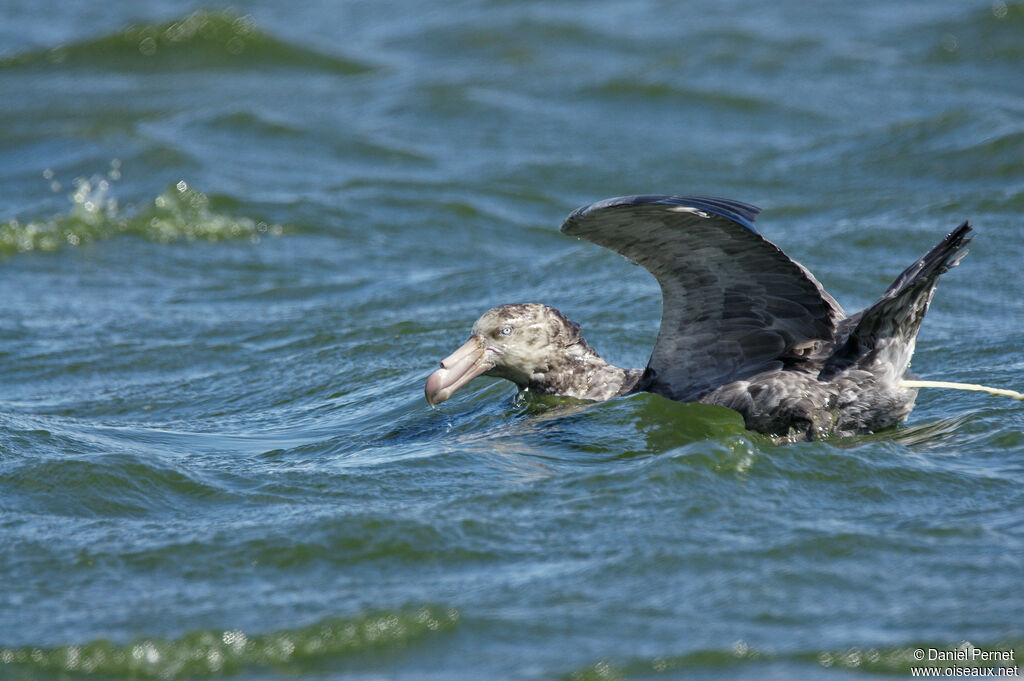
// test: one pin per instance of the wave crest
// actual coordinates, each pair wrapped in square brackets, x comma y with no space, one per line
[208,654]
[201,40]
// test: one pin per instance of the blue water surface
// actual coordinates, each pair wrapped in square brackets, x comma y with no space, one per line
[234,242]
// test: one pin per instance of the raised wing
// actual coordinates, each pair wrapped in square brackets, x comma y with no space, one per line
[885,331]
[733,304]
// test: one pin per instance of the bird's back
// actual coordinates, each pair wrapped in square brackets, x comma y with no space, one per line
[854,385]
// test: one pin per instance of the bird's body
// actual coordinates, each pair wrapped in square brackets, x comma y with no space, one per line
[743,326]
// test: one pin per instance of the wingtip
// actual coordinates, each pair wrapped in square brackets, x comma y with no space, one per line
[955,244]
[963,233]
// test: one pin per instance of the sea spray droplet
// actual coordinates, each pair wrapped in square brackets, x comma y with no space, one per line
[179,213]
[235,639]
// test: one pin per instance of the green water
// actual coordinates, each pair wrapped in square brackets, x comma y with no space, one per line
[234,244]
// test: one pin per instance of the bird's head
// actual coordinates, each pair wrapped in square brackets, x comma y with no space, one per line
[518,342]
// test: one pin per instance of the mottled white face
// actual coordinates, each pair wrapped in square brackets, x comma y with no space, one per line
[514,342]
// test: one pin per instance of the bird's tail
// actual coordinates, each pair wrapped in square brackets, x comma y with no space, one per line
[886,331]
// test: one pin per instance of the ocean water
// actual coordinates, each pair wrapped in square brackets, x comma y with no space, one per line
[234,242]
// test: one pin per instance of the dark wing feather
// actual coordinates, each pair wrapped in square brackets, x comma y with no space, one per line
[886,331]
[733,304]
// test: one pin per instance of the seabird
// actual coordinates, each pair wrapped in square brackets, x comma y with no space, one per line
[743,326]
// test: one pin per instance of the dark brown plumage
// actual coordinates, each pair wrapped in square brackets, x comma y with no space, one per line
[743,326]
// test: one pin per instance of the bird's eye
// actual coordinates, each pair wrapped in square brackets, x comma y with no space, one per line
[505,331]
